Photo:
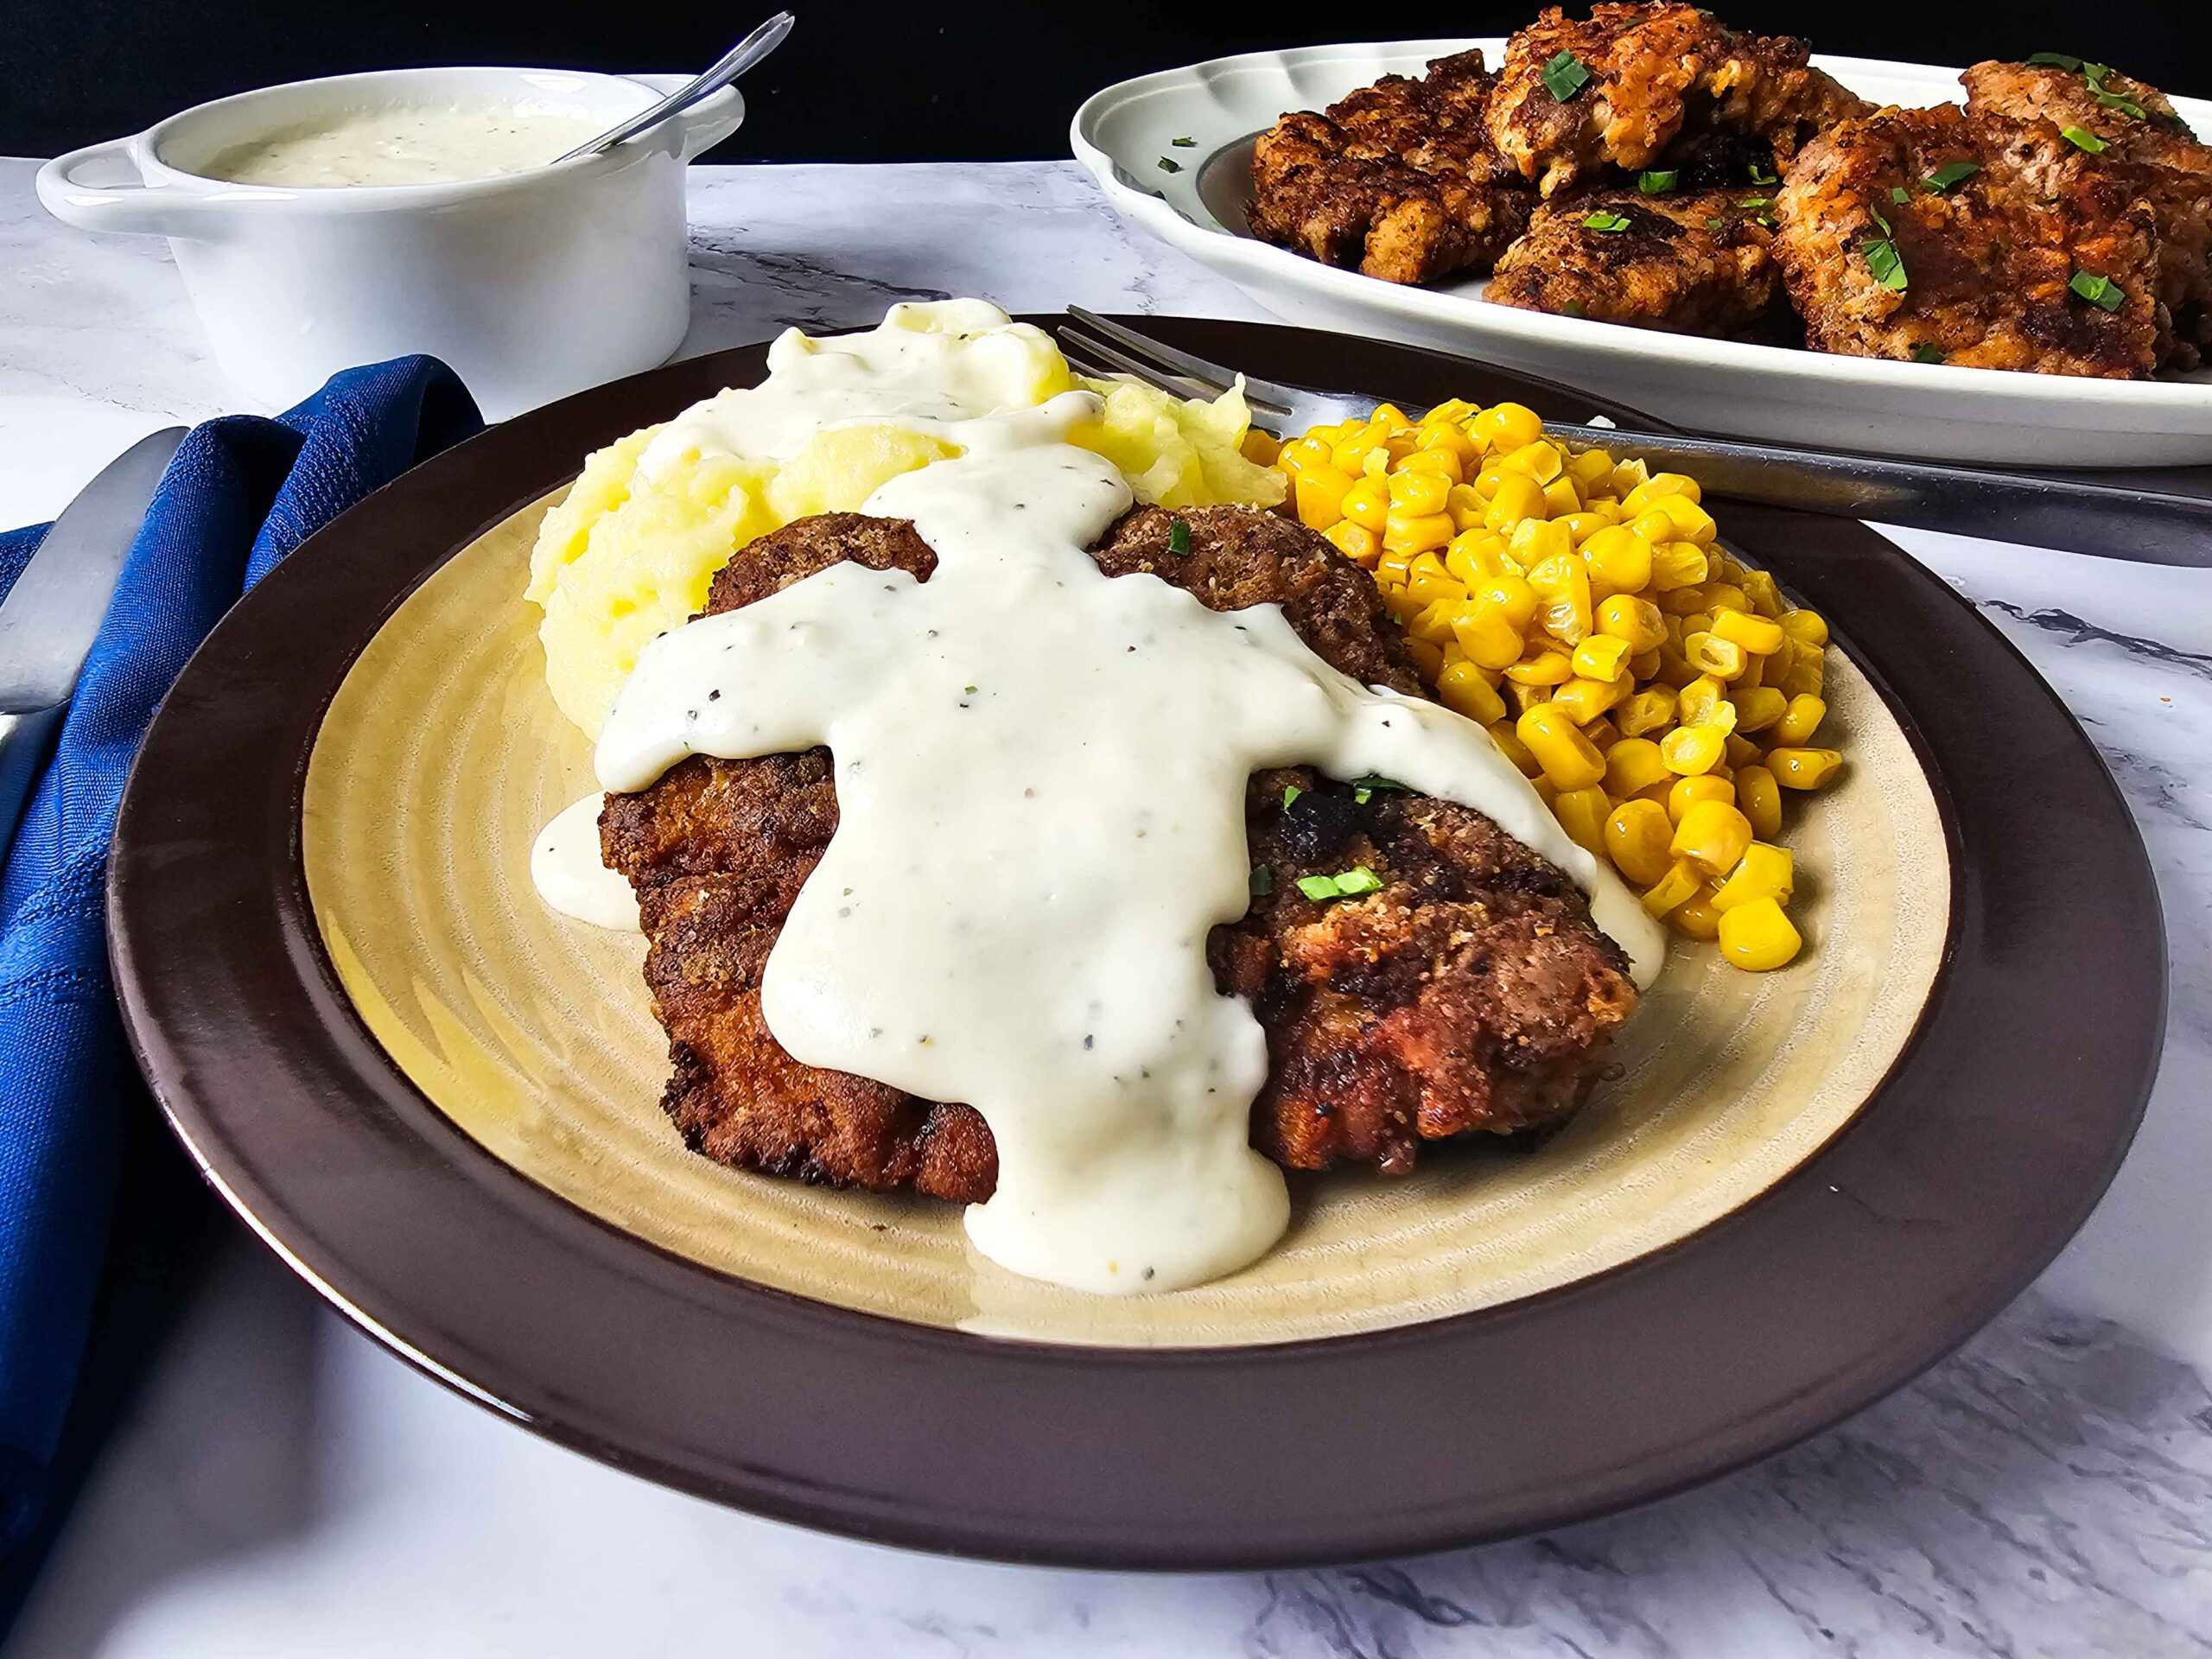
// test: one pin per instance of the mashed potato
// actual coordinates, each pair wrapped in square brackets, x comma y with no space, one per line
[631,550]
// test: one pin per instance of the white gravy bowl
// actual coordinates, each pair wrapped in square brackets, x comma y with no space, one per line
[532,283]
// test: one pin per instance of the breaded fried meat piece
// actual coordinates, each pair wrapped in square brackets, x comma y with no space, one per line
[1893,248]
[1699,261]
[1471,992]
[1622,87]
[1396,180]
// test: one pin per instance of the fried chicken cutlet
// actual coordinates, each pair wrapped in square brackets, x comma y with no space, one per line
[1623,87]
[2126,131]
[1698,262]
[1914,234]
[1471,992]
[1397,179]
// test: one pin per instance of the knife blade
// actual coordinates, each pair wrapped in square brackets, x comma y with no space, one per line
[54,612]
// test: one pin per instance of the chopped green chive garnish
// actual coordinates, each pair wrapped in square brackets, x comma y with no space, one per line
[1757,201]
[1886,265]
[1900,195]
[1949,174]
[2100,291]
[2082,138]
[1178,537]
[2125,105]
[2056,59]
[1762,175]
[1657,183]
[1183,143]
[967,690]
[1572,308]
[1875,214]
[1374,781]
[1565,76]
[2094,74]
[1924,352]
[1291,792]
[1264,881]
[1349,884]
[1604,219]
[1716,223]
[1167,166]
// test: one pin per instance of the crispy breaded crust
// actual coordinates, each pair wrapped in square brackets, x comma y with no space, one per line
[1987,261]
[1697,262]
[1471,993]
[1657,73]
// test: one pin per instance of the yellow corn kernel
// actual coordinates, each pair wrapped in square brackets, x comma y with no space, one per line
[1806,673]
[1427,657]
[1442,465]
[1754,633]
[1704,701]
[1696,915]
[1650,710]
[1546,791]
[1534,542]
[1464,691]
[1644,665]
[1636,837]
[1539,460]
[1764,872]
[1357,542]
[1582,813]
[1601,657]
[1434,621]
[1320,495]
[1624,616]
[1452,409]
[1618,559]
[1367,504]
[1674,668]
[1503,427]
[1677,564]
[1259,447]
[1579,524]
[1739,751]
[1806,627]
[1418,494]
[1671,891]
[1800,718]
[1757,936]
[1509,745]
[1601,732]
[1520,696]
[1761,800]
[1543,666]
[1691,750]
[1662,483]
[1757,706]
[1766,598]
[1308,451]
[1754,671]
[1512,595]
[1568,758]
[1517,496]
[1439,431]
[1689,521]
[1726,596]
[1589,467]
[1795,768]
[1584,701]
[1486,634]
[1712,835]
[1425,588]
[1561,499]
[1709,653]
[1686,792]
[1682,601]
[1459,560]
[1417,532]
[1466,505]
[1391,567]
[1633,765]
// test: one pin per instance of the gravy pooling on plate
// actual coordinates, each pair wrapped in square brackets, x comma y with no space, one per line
[1041,774]
[404,144]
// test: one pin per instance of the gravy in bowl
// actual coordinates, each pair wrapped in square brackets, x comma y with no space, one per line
[404,144]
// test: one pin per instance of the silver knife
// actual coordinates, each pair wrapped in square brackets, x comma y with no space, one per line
[51,615]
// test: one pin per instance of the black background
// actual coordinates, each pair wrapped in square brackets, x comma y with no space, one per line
[886,82]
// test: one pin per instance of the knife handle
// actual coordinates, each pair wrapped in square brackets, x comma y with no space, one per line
[26,740]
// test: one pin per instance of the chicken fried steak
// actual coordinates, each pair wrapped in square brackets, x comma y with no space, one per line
[2124,132]
[1699,262]
[1913,234]
[1397,179]
[1622,87]
[1470,992]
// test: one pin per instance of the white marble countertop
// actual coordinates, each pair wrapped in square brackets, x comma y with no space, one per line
[287,1488]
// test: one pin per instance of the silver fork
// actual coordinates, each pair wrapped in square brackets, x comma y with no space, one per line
[2152,516]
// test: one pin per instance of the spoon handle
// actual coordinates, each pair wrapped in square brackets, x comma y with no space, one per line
[731,63]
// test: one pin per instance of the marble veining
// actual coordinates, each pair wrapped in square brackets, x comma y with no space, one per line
[286,1487]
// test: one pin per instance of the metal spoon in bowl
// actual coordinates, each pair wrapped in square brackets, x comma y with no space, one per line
[734,62]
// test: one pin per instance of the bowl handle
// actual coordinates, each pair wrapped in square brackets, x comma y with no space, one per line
[98,188]
[707,122]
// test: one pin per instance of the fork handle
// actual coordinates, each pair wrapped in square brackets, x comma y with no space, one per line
[2147,517]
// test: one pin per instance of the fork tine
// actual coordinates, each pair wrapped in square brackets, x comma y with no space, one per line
[1121,362]
[1166,360]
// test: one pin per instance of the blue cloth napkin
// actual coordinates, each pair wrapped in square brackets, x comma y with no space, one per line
[241,494]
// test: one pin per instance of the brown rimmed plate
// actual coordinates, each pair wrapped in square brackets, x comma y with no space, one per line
[2011,1083]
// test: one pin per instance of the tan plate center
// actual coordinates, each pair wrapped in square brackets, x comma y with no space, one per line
[442,756]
